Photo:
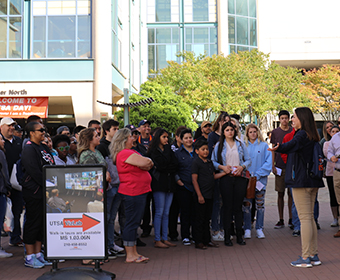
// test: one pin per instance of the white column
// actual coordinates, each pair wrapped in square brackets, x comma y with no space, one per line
[101,34]
[222,29]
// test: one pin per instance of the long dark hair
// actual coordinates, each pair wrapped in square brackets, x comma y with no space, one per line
[156,140]
[222,138]
[222,116]
[307,121]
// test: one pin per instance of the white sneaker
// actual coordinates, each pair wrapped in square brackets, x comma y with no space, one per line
[335,223]
[260,234]
[247,234]
[218,237]
[186,242]
[4,254]
[118,248]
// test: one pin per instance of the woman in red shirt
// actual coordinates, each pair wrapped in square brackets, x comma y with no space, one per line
[134,186]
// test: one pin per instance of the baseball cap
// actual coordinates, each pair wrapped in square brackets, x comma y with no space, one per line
[18,127]
[131,127]
[62,128]
[204,123]
[143,122]
[7,121]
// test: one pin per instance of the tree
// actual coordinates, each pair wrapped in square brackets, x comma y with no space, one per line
[168,111]
[247,83]
[324,84]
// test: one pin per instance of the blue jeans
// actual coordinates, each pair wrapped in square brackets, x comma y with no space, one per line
[217,211]
[162,202]
[259,203]
[3,206]
[113,201]
[295,216]
[134,211]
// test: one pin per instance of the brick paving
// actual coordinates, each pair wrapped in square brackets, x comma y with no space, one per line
[267,258]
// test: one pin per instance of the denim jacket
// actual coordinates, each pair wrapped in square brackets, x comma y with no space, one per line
[242,152]
[185,160]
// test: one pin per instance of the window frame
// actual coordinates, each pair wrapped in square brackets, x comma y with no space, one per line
[76,31]
[7,16]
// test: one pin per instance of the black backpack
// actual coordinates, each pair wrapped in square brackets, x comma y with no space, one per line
[316,167]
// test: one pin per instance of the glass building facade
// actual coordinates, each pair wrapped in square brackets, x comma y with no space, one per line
[178,25]
[11,29]
[58,29]
[242,30]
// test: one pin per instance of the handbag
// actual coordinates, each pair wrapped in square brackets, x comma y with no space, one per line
[14,180]
[251,187]
[9,218]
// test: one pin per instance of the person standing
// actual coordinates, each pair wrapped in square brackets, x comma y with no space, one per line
[175,205]
[5,190]
[113,201]
[333,155]
[217,212]
[231,156]
[163,184]
[185,156]
[13,148]
[144,139]
[34,156]
[203,179]
[134,187]
[329,177]
[305,188]
[88,141]
[277,137]
[261,165]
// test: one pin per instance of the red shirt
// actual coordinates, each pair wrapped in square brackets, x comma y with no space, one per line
[286,139]
[133,180]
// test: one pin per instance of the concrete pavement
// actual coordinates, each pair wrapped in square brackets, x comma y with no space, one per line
[267,258]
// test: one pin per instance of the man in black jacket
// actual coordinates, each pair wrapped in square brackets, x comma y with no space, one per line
[13,147]
[110,127]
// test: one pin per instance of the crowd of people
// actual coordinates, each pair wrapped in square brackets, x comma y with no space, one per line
[200,179]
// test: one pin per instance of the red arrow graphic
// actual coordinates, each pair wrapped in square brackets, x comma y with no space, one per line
[85,222]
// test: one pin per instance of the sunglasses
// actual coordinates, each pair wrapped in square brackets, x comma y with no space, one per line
[42,130]
[62,149]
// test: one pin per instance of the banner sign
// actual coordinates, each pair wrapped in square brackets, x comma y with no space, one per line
[75,217]
[23,107]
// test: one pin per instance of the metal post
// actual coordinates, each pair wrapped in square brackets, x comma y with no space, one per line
[126,108]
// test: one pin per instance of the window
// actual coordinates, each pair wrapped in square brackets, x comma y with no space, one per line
[11,28]
[163,44]
[163,10]
[61,29]
[242,30]
[200,10]
[201,40]
[180,25]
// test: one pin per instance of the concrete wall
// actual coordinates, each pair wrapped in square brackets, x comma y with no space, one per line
[300,31]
